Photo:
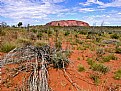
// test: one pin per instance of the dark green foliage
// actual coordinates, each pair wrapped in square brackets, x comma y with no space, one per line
[34,30]
[90,61]
[39,35]
[115,36]
[83,32]
[118,50]
[117,75]
[95,78]
[19,24]
[67,33]
[81,68]
[49,32]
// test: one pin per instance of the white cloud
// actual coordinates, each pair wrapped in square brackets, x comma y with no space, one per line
[109,18]
[114,3]
[86,9]
[28,11]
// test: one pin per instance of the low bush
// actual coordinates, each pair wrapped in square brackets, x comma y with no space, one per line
[109,57]
[90,61]
[59,60]
[117,75]
[81,68]
[67,33]
[39,35]
[97,67]
[115,36]
[6,47]
[95,78]
[118,50]
[100,67]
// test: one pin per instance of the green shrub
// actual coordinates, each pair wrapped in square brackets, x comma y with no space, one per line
[39,35]
[109,57]
[100,67]
[34,30]
[67,33]
[97,67]
[95,78]
[6,47]
[90,61]
[59,60]
[117,75]
[118,50]
[49,32]
[81,68]
[78,58]
[83,32]
[115,36]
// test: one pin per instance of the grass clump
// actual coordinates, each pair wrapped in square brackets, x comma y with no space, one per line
[118,50]
[117,75]
[81,68]
[78,58]
[24,41]
[109,57]
[6,47]
[90,61]
[97,67]
[66,33]
[100,67]
[95,78]
[115,36]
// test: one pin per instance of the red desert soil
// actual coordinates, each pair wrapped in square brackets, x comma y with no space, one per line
[58,81]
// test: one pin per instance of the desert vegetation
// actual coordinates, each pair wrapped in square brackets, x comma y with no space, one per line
[45,58]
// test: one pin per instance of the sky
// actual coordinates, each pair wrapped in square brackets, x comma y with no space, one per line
[39,12]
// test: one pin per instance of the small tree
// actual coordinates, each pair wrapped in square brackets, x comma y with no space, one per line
[20,24]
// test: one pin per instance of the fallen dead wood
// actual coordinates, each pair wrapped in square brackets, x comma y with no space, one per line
[39,58]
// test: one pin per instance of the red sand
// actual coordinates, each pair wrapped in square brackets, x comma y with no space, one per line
[58,81]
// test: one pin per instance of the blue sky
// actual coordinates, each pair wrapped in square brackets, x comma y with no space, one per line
[37,12]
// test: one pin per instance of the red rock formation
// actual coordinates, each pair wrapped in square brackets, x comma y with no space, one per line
[67,23]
